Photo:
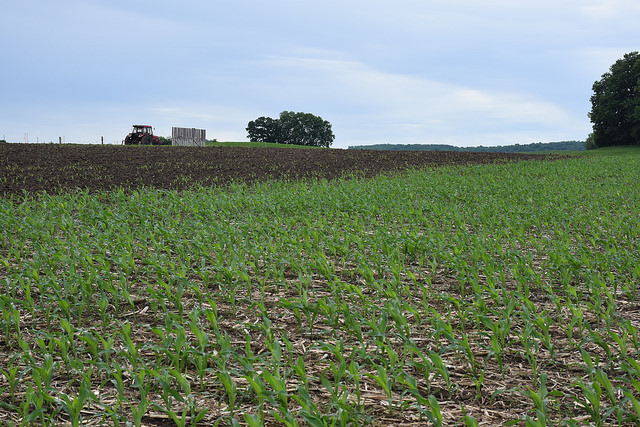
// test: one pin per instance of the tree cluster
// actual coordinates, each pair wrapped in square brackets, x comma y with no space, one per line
[615,111]
[292,128]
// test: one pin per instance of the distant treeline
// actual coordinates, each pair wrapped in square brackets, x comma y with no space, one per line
[516,148]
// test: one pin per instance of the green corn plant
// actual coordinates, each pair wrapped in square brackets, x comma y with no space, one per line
[12,378]
[31,416]
[253,420]
[117,380]
[169,393]
[140,409]
[383,380]
[440,368]
[423,365]
[608,389]
[212,315]
[435,411]
[621,340]
[92,343]
[401,321]
[107,348]
[477,374]
[497,337]
[132,351]
[544,324]
[635,417]
[530,346]
[309,410]
[336,389]
[261,393]
[230,388]
[73,406]
[469,421]
[577,319]
[190,412]
[593,394]
[178,352]
[427,407]
[597,339]
[279,390]
[103,304]
[354,371]
[540,400]
[296,307]
[43,375]
[632,332]
[69,329]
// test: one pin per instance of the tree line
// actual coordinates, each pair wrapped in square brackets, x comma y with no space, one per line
[516,148]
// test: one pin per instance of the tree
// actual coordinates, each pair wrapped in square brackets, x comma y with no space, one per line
[292,128]
[263,129]
[615,104]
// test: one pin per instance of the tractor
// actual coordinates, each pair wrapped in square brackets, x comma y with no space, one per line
[142,135]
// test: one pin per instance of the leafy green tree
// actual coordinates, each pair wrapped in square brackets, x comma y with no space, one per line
[263,129]
[615,111]
[590,144]
[292,128]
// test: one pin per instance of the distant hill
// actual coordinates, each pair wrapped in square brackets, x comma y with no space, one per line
[516,148]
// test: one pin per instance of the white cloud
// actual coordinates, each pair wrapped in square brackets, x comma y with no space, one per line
[420,108]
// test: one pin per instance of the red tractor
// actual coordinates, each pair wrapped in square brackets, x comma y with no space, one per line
[142,135]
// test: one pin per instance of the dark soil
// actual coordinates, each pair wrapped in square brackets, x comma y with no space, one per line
[34,168]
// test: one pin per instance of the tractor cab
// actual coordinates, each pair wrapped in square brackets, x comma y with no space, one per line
[141,135]
[142,129]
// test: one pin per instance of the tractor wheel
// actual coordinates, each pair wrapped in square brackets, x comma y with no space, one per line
[147,140]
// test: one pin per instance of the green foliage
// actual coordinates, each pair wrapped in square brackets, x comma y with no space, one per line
[516,148]
[164,140]
[615,104]
[264,129]
[292,128]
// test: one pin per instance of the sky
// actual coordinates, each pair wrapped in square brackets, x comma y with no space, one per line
[458,72]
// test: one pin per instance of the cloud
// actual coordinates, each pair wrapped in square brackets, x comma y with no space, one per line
[423,109]
[606,10]
[413,71]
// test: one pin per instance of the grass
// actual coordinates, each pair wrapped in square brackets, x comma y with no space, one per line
[501,293]
[254,144]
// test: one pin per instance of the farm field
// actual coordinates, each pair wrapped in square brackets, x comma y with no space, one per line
[57,168]
[458,291]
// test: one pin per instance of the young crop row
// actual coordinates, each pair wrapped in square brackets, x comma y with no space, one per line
[495,293]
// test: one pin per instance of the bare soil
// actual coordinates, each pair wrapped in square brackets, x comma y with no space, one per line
[52,168]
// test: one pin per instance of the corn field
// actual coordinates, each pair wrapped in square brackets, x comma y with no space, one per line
[457,295]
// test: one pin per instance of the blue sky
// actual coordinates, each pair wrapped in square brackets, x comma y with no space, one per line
[460,72]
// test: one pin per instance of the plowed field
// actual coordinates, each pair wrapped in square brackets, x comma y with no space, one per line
[57,168]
